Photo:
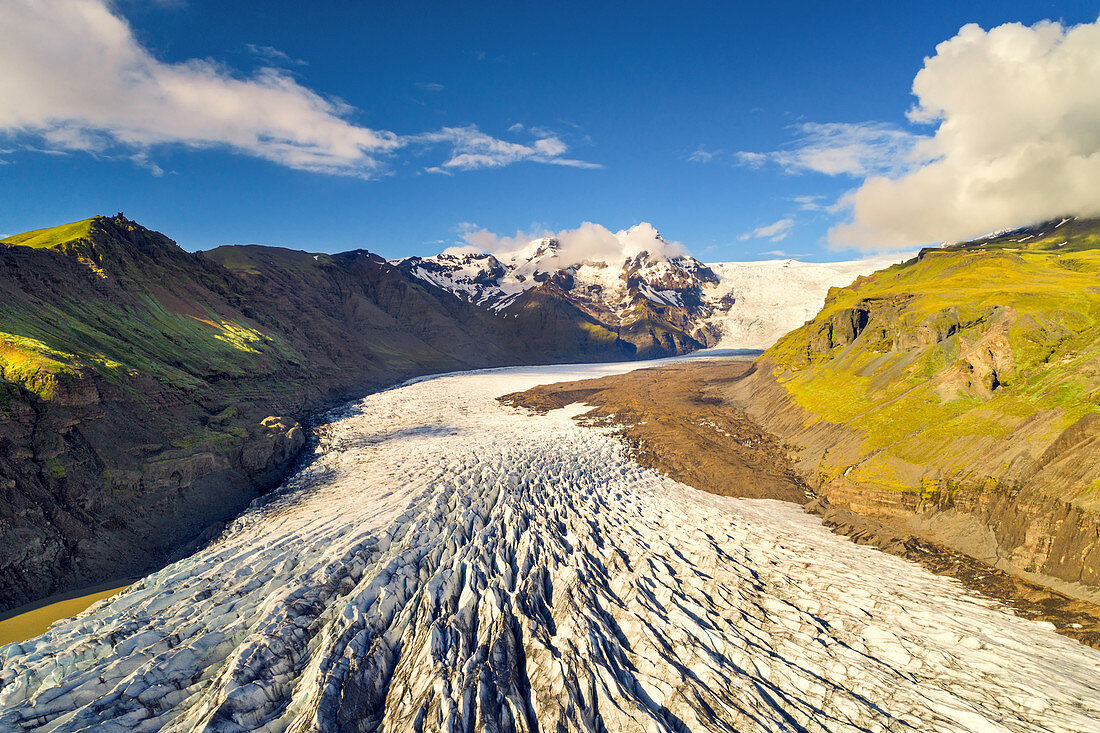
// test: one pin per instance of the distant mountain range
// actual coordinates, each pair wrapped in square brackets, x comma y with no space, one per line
[148,392]
[660,302]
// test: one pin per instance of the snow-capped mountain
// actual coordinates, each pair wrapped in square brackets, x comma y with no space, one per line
[604,284]
[645,289]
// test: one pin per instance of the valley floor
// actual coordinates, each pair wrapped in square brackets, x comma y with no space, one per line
[452,563]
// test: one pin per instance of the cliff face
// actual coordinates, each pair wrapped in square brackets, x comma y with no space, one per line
[148,393]
[958,394]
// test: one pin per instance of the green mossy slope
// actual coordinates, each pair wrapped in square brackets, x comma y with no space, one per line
[974,339]
[138,305]
[960,391]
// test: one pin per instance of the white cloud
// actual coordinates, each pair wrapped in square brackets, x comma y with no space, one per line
[429,86]
[274,55]
[776,231]
[587,243]
[143,160]
[74,78]
[74,75]
[702,155]
[462,249]
[842,148]
[471,149]
[752,160]
[1017,141]
[810,203]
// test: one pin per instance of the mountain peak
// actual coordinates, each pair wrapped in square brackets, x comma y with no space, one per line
[95,230]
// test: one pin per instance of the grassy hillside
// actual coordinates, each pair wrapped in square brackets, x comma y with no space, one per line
[962,380]
[138,305]
[54,237]
[146,391]
[975,339]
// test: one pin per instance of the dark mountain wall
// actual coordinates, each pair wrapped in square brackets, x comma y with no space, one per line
[148,393]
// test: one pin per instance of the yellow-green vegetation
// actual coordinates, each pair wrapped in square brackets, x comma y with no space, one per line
[67,337]
[53,236]
[33,364]
[598,333]
[957,348]
[139,321]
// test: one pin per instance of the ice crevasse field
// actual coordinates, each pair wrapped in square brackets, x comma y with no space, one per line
[447,562]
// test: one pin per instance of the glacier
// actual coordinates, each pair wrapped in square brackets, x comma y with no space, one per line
[757,302]
[445,562]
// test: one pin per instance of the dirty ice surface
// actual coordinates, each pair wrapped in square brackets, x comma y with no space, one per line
[449,563]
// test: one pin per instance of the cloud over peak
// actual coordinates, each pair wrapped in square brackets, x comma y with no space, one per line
[589,242]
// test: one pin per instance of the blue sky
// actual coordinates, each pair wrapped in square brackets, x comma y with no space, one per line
[735,128]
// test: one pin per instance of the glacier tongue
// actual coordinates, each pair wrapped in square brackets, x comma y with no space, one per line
[448,563]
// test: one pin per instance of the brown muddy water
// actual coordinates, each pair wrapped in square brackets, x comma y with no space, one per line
[36,621]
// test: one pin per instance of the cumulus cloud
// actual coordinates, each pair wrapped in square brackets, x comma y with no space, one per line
[776,231]
[843,148]
[1017,139]
[471,149]
[74,78]
[587,243]
[75,75]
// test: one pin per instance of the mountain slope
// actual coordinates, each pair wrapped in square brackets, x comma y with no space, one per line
[959,394]
[147,391]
